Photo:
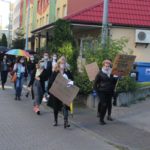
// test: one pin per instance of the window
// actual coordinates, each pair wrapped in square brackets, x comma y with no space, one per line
[64,10]
[58,12]
[47,21]
[40,21]
[43,21]
[37,23]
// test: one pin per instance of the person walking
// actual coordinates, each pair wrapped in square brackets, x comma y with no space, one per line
[4,68]
[56,104]
[38,82]
[31,69]
[19,69]
[104,85]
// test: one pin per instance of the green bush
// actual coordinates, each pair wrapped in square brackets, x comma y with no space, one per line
[82,81]
[126,84]
[98,54]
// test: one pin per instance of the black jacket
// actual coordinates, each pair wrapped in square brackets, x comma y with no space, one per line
[48,70]
[104,83]
[53,101]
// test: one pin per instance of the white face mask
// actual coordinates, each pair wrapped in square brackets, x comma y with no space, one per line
[54,57]
[45,57]
[32,58]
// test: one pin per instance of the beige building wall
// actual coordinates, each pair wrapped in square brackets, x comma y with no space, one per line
[61,8]
[43,19]
[142,53]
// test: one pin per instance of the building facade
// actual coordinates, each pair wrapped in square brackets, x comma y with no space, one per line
[16,17]
[125,20]
[61,8]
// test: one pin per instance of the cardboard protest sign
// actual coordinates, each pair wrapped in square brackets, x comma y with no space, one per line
[92,70]
[122,64]
[64,92]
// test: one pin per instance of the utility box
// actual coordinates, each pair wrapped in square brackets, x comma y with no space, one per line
[143,69]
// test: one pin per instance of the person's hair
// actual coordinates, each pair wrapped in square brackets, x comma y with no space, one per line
[57,66]
[63,58]
[106,61]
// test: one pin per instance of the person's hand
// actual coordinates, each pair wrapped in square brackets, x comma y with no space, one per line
[37,78]
[115,76]
[29,88]
[70,83]
[114,103]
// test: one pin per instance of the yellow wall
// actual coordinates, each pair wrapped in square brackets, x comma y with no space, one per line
[142,53]
[61,8]
[42,19]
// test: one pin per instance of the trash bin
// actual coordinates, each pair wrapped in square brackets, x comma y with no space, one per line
[143,69]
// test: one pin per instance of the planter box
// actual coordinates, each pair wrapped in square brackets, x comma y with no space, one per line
[124,99]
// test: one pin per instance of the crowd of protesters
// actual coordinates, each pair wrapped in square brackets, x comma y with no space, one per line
[41,75]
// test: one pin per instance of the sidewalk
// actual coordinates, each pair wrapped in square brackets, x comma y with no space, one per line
[22,129]
[129,131]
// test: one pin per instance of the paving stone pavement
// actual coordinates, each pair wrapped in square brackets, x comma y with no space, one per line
[21,129]
[130,128]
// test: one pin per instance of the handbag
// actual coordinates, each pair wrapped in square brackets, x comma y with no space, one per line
[14,77]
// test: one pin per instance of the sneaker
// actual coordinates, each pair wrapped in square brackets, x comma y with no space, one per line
[38,112]
[55,124]
[66,125]
[109,118]
[44,100]
[19,99]
[102,122]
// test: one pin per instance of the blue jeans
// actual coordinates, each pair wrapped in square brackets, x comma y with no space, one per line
[19,85]
[65,112]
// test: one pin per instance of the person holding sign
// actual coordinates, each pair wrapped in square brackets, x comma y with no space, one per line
[104,85]
[54,102]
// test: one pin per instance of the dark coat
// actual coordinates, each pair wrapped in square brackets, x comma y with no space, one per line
[38,86]
[48,70]
[103,83]
[54,102]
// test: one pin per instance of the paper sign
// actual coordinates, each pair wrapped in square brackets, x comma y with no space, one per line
[64,92]
[92,70]
[123,64]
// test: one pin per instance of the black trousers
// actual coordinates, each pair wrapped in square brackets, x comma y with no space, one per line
[4,77]
[105,104]
[55,115]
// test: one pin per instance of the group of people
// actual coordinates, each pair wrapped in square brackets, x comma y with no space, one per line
[41,75]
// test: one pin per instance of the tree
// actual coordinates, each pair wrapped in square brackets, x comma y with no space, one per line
[4,40]
[62,42]
[98,54]
[19,41]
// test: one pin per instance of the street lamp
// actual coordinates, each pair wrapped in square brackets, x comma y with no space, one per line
[27,26]
[105,24]
[8,1]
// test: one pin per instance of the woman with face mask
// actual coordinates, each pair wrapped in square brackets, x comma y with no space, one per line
[31,67]
[38,86]
[4,71]
[19,69]
[55,103]
[104,85]
[54,61]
